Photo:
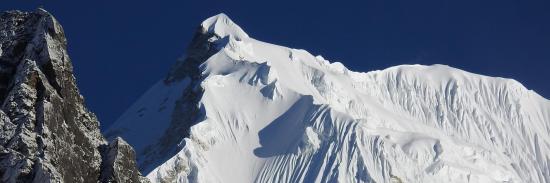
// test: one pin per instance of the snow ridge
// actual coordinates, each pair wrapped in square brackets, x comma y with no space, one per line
[268,113]
[222,26]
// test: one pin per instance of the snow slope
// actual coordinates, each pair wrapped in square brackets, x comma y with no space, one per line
[267,113]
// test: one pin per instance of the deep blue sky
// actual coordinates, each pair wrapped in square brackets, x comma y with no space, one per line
[120,48]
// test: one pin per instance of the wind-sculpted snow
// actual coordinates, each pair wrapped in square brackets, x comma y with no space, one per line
[267,113]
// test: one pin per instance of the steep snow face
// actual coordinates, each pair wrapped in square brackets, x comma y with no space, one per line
[268,113]
[155,106]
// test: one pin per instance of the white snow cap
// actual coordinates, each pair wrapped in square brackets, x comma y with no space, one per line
[222,26]
[270,113]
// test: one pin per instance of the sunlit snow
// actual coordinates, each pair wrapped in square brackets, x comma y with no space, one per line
[276,114]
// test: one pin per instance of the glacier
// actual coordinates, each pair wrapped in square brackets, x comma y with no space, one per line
[236,109]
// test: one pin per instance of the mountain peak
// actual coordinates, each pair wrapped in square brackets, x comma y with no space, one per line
[223,26]
[271,113]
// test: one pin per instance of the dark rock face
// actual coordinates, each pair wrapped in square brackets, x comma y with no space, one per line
[46,132]
[119,165]
[187,111]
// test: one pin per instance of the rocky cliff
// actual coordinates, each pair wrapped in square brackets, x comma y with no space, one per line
[47,134]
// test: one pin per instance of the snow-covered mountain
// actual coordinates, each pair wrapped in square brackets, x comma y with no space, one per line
[238,109]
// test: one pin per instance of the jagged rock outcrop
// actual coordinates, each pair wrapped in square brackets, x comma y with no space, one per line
[47,134]
[119,164]
[186,111]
